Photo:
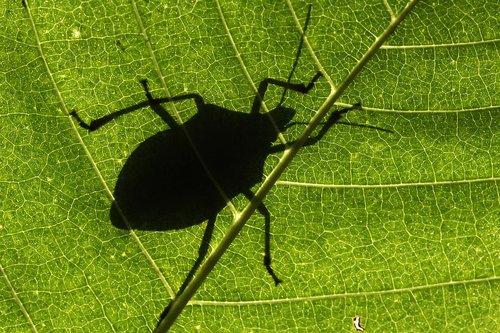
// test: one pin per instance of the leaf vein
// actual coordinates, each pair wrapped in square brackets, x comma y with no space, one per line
[431,46]
[18,300]
[368,186]
[347,295]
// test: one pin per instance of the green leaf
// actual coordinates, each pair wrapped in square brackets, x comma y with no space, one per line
[398,228]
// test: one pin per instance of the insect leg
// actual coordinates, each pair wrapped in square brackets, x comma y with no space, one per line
[298,87]
[202,252]
[154,103]
[267,235]
[334,117]
[98,123]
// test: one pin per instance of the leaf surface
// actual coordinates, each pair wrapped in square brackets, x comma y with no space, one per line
[398,228]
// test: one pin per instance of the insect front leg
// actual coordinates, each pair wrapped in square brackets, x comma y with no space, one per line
[334,117]
[298,87]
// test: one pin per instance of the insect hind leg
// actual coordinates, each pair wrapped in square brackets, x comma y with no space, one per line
[267,245]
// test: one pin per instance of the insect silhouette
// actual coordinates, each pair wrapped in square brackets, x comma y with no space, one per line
[187,174]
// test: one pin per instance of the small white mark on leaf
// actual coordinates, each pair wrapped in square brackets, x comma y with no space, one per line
[357,324]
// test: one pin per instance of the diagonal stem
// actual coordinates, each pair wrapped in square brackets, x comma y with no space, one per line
[239,221]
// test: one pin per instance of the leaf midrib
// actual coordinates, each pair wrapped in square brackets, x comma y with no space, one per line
[289,153]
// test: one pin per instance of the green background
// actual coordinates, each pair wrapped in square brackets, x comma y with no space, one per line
[398,228]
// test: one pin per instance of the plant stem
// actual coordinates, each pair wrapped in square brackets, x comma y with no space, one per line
[239,221]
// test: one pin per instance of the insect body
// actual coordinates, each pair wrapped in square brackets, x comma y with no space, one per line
[185,175]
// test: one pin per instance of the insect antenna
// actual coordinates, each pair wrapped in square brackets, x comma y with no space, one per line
[297,55]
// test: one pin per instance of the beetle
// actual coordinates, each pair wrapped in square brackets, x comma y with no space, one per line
[187,174]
